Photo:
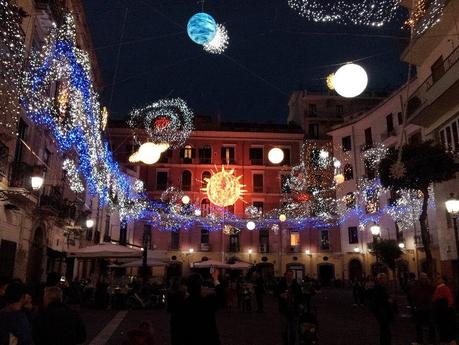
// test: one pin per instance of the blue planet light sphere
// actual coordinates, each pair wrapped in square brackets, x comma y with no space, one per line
[202,28]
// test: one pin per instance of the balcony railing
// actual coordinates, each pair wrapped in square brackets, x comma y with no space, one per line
[388,134]
[20,174]
[293,249]
[256,161]
[204,247]
[51,198]
[264,248]
[258,189]
[418,97]
[203,160]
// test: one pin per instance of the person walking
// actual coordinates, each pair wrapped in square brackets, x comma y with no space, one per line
[382,306]
[259,292]
[199,308]
[289,296]
[444,314]
[15,327]
[57,324]
[175,298]
[421,295]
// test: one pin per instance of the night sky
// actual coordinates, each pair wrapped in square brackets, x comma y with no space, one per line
[272,52]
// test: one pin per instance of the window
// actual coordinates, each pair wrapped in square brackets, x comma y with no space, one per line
[353,234]
[349,200]
[399,234]
[438,69]
[256,155]
[259,205]
[313,131]
[204,236]
[22,129]
[234,245]
[204,177]
[205,155]
[227,155]
[346,142]
[187,154]
[368,137]
[339,109]
[286,160]
[46,156]
[258,183]
[312,110]
[390,123]
[107,234]
[186,180]
[123,233]
[264,240]
[348,172]
[175,240]
[455,136]
[205,207]
[161,180]
[400,118]
[147,236]
[324,240]
[165,156]
[294,238]
[7,258]
[285,186]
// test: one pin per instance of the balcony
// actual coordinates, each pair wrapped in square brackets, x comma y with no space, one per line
[437,94]
[51,200]
[258,189]
[388,134]
[205,160]
[204,247]
[256,161]
[425,41]
[294,249]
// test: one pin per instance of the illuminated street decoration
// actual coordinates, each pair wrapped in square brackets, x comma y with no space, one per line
[201,28]
[219,43]
[223,188]
[75,120]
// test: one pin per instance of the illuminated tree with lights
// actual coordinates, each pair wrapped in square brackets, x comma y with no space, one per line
[421,165]
[11,61]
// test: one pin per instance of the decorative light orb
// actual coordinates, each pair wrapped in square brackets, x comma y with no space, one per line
[356,250]
[330,81]
[185,199]
[350,80]
[276,155]
[219,43]
[337,164]
[201,28]
[223,188]
[452,205]
[282,218]
[36,182]
[339,178]
[149,153]
[250,225]
[197,212]
[375,230]
[89,223]
[401,245]
[323,154]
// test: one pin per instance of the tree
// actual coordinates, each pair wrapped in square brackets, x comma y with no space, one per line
[424,163]
[387,251]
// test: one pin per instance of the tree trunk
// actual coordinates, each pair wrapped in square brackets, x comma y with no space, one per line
[425,236]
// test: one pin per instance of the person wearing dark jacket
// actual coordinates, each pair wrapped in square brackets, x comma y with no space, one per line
[14,324]
[289,296]
[175,298]
[421,294]
[382,306]
[259,292]
[200,326]
[57,324]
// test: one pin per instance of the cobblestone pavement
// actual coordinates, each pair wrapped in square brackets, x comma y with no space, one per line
[339,324]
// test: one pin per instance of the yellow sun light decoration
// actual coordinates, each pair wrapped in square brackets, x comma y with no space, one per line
[223,188]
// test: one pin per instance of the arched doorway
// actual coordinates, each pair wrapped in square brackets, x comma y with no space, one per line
[378,267]
[326,273]
[355,269]
[36,254]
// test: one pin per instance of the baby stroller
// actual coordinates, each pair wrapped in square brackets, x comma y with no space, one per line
[308,329]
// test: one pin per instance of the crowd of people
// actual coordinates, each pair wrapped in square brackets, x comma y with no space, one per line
[47,321]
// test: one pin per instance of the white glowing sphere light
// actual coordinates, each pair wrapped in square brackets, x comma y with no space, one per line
[350,80]
[250,225]
[185,199]
[276,155]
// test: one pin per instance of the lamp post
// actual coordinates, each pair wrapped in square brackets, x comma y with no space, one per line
[452,206]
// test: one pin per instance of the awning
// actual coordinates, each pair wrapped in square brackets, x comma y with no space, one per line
[139,263]
[240,265]
[208,264]
[55,254]
[106,250]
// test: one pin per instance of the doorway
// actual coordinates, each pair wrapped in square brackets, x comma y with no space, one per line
[355,269]
[326,273]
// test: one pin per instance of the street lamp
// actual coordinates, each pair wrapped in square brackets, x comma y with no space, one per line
[191,250]
[36,182]
[89,223]
[356,250]
[375,230]
[452,206]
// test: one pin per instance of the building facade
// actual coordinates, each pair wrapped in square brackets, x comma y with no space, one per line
[37,228]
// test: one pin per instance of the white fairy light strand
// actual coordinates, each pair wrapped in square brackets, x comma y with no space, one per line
[219,43]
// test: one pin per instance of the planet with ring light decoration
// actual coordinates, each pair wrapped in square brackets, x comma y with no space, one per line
[202,28]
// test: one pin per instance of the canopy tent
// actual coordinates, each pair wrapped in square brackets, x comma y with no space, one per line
[239,265]
[208,264]
[139,263]
[106,250]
